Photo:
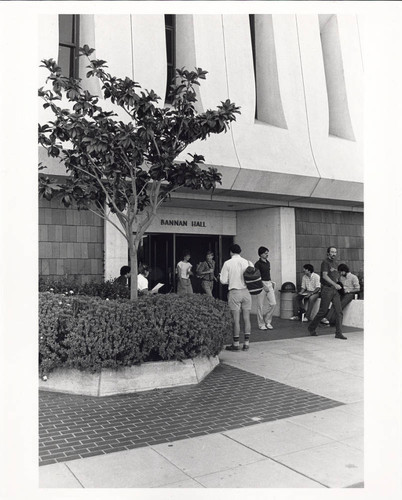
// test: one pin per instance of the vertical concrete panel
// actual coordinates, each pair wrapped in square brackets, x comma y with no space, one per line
[239,61]
[87,37]
[270,148]
[288,244]
[114,44]
[185,50]
[48,48]
[353,70]
[207,33]
[195,38]
[116,250]
[290,78]
[274,228]
[149,51]
[335,158]
[269,102]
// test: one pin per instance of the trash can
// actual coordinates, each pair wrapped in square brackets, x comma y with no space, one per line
[287,292]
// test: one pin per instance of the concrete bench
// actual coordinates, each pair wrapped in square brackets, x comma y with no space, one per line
[353,314]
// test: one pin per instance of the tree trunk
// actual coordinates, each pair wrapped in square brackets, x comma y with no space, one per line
[134,243]
[134,267]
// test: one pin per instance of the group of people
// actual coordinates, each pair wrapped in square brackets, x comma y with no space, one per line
[239,297]
[336,286]
[310,291]
[142,279]
[205,271]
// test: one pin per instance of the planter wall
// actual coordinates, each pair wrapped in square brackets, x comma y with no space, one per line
[144,377]
[353,314]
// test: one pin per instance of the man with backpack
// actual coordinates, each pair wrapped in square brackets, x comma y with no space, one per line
[268,294]
[206,272]
[239,298]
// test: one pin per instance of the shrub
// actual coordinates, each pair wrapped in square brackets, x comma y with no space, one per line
[89,333]
[55,321]
[66,284]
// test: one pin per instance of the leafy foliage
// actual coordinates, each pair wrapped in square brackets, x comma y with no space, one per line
[89,333]
[69,285]
[126,167]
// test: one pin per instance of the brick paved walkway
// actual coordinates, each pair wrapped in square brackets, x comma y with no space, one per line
[72,427]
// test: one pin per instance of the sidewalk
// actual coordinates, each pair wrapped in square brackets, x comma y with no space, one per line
[287,413]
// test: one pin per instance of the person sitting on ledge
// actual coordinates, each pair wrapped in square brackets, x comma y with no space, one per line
[142,281]
[122,280]
[308,295]
[351,286]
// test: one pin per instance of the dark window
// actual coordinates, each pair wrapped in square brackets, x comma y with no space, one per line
[252,33]
[170,27]
[68,44]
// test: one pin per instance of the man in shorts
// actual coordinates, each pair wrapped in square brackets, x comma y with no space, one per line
[239,298]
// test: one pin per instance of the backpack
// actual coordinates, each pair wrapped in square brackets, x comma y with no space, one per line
[252,279]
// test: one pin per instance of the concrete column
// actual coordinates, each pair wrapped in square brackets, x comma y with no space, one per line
[87,36]
[287,244]
[273,228]
[116,250]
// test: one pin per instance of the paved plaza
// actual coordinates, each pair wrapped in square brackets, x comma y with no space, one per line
[286,414]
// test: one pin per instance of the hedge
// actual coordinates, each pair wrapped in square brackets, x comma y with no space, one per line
[67,284]
[90,333]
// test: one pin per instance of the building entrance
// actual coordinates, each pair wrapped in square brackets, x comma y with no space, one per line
[162,252]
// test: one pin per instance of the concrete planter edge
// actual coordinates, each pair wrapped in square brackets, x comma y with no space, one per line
[144,377]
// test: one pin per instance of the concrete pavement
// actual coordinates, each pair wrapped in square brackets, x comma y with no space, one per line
[322,449]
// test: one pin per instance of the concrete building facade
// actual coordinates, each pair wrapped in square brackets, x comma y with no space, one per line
[292,164]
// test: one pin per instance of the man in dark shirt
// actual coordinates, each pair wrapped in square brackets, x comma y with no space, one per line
[268,294]
[122,280]
[329,293]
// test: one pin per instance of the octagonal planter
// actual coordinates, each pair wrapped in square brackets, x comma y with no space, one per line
[144,377]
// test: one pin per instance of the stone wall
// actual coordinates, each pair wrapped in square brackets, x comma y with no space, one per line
[70,242]
[316,230]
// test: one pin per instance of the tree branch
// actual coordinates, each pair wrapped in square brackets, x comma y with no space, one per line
[106,193]
[106,218]
[165,195]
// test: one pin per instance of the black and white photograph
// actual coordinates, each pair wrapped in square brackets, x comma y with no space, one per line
[203,195]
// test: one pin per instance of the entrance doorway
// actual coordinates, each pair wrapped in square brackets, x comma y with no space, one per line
[162,252]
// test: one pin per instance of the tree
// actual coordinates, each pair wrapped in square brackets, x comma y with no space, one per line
[127,168]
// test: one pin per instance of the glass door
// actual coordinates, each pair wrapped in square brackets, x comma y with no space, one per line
[158,254]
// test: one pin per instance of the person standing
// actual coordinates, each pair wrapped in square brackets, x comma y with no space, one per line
[183,271]
[329,293]
[309,293]
[268,294]
[206,271]
[351,286]
[239,298]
